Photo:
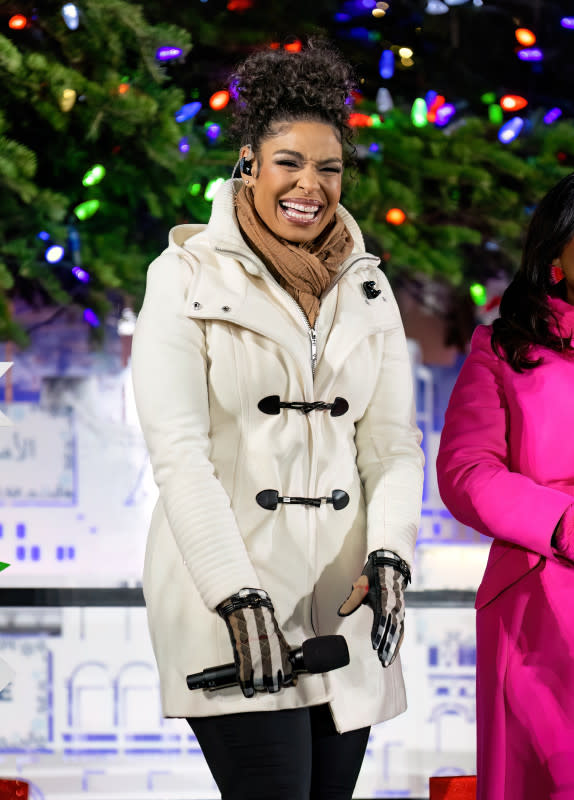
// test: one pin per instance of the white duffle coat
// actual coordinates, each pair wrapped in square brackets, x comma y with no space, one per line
[215,335]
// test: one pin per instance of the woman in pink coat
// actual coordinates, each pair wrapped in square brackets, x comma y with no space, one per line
[506,468]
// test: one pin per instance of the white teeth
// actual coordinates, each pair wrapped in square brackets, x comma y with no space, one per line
[304,209]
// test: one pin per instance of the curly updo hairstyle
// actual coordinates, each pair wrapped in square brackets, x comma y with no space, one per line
[275,86]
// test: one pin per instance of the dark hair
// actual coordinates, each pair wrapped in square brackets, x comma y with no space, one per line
[273,86]
[525,314]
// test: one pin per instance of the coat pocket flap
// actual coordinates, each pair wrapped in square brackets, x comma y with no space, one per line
[505,571]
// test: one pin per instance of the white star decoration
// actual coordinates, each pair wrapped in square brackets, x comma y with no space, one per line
[4,367]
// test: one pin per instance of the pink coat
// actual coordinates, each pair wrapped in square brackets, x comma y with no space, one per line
[506,468]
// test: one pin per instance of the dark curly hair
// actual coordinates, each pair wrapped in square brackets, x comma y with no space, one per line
[274,86]
[526,318]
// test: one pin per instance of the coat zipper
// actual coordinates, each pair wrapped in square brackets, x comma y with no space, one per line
[311,331]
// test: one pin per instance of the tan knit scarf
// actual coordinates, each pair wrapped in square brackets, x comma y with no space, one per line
[304,270]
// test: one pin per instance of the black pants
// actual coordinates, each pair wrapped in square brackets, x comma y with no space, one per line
[281,755]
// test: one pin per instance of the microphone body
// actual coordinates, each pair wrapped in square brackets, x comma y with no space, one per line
[321,654]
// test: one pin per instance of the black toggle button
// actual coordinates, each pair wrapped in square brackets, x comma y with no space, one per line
[270,499]
[370,291]
[272,405]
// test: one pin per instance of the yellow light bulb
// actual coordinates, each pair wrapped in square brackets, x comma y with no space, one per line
[67,99]
[405,52]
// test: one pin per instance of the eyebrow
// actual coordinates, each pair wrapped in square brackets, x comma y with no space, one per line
[295,154]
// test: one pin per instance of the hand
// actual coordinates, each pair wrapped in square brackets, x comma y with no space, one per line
[260,651]
[381,586]
[563,537]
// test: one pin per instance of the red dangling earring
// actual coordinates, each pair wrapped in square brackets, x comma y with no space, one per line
[556,274]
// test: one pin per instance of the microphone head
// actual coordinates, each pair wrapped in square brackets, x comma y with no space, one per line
[325,653]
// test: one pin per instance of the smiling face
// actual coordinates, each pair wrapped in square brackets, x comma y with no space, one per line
[296,179]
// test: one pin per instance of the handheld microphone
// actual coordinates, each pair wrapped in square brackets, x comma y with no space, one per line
[321,654]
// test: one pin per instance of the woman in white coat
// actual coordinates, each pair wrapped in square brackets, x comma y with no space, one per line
[274,390]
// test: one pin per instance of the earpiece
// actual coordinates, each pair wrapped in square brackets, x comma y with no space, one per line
[245,166]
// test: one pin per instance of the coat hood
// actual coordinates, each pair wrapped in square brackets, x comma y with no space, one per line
[224,234]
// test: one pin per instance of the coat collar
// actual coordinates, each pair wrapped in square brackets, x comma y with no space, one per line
[224,234]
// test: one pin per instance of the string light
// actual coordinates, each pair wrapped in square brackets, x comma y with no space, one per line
[360,120]
[168,53]
[444,114]
[44,236]
[86,209]
[479,294]
[183,145]
[81,274]
[123,88]
[239,5]
[436,102]
[419,113]
[552,115]
[510,130]
[567,22]
[187,111]
[530,54]
[495,114]
[384,100]
[293,47]
[219,100]
[436,7]
[212,187]
[94,175]
[513,102]
[67,99]
[405,52]
[18,22]
[212,131]
[194,189]
[54,254]
[91,318]
[387,64]
[525,37]
[71,16]
[396,216]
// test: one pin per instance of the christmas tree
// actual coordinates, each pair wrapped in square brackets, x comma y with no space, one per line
[89,161]
[104,146]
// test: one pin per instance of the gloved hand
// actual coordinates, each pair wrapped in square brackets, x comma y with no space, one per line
[381,586]
[563,537]
[260,651]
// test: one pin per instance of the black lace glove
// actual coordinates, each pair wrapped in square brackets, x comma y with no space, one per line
[381,586]
[260,651]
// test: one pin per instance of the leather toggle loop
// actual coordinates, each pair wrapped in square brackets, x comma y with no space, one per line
[272,405]
[270,499]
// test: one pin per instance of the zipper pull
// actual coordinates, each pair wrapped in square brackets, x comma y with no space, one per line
[313,335]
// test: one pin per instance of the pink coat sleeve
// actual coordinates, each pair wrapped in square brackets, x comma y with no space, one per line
[474,480]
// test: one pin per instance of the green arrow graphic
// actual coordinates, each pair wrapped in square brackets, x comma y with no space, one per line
[3,565]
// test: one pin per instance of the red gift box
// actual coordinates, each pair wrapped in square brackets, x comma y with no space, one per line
[461,787]
[13,790]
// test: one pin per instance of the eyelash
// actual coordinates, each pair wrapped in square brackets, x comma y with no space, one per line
[335,170]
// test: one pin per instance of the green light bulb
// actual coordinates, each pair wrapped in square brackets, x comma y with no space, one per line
[478,294]
[495,114]
[419,113]
[94,175]
[212,187]
[87,209]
